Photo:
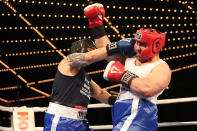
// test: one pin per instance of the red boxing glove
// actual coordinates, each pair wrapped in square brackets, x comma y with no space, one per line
[95,14]
[115,72]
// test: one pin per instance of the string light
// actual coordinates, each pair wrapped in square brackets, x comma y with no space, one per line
[84,27]
[107,6]
[82,37]
[35,52]
[31,67]
[180,56]
[182,2]
[178,47]
[108,17]
[46,15]
[48,3]
[43,28]
[52,39]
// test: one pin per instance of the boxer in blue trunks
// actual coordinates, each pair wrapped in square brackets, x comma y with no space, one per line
[135,63]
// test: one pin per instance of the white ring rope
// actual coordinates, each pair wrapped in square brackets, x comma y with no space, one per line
[177,100]
[101,105]
[164,101]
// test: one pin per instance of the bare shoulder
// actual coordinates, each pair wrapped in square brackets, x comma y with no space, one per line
[65,68]
[162,70]
[164,66]
[161,75]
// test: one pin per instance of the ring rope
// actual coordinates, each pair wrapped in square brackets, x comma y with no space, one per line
[102,105]
[162,124]
[100,127]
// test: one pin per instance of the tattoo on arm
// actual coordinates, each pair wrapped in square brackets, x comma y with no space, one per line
[77,59]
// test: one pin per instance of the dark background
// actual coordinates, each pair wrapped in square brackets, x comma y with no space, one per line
[63,22]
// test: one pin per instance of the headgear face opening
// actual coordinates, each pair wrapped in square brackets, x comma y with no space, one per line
[154,40]
[81,46]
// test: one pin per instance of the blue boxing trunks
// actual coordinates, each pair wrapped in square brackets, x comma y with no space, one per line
[134,115]
[64,118]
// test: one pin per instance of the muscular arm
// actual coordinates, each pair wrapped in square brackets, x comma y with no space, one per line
[77,59]
[155,82]
[100,94]
[83,59]
[102,41]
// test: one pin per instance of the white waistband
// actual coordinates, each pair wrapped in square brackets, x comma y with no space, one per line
[66,111]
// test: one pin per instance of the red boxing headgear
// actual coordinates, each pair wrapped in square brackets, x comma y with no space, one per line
[150,37]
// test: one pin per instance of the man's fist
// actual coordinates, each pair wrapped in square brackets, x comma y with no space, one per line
[115,72]
[95,14]
[124,46]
